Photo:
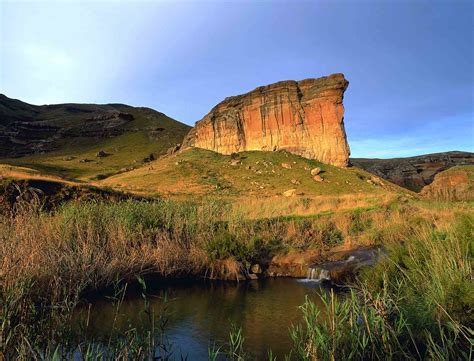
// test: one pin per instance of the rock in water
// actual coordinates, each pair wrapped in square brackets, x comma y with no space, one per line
[302,117]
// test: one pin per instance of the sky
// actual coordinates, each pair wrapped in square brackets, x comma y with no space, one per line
[410,63]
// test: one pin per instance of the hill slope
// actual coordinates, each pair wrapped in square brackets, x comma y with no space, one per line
[202,172]
[83,140]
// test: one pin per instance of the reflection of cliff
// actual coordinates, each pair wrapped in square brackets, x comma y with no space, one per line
[304,117]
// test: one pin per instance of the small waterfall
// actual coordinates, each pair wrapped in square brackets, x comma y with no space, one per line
[318,274]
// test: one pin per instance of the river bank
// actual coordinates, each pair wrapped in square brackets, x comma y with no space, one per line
[51,260]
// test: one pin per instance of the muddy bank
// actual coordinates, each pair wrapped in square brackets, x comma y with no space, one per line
[335,267]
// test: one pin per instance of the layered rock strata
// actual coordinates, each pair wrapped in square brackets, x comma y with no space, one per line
[414,172]
[302,117]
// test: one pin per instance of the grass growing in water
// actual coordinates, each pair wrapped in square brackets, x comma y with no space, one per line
[415,304]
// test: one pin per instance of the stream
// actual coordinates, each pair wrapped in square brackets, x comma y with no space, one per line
[200,313]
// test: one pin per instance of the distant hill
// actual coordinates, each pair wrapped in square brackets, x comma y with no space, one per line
[84,141]
[454,184]
[414,172]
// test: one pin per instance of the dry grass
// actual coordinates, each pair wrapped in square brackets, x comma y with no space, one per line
[48,260]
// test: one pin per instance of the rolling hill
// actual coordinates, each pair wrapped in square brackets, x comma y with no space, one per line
[255,174]
[83,141]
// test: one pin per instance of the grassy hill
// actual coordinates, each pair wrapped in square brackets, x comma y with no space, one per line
[65,139]
[255,174]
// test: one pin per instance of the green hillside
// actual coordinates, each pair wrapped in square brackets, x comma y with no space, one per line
[202,172]
[65,139]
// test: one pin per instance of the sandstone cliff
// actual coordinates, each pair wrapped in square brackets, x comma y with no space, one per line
[302,117]
[414,172]
[454,184]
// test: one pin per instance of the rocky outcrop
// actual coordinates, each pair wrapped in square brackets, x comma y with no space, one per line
[302,117]
[414,172]
[455,184]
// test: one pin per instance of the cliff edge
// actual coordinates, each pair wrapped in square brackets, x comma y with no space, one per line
[302,117]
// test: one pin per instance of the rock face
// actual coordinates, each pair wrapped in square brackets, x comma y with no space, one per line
[454,184]
[414,172]
[302,117]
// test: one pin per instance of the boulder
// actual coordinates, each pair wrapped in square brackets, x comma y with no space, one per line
[149,159]
[315,171]
[101,154]
[318,178]
[290,193]
[173,149]
[255,268]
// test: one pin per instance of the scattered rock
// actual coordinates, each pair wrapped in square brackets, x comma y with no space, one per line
[149,159]
[255,268]
[85,160]
[69,158]
[318,178]
[112,115]
[295,181]
[315,171]
[286,165]
[173,149]
[235,162]
[377,181]
[290,193]
[101,154]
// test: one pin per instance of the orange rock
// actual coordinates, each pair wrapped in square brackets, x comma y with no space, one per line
[304,117]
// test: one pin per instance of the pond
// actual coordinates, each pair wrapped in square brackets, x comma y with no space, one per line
[201,313]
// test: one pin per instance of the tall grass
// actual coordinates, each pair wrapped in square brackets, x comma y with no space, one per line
[49,260]
[415,304]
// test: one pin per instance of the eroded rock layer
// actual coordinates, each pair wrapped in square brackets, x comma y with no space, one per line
[414,172]
[302,117]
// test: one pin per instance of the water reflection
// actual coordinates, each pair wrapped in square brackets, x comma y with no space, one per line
[200,313]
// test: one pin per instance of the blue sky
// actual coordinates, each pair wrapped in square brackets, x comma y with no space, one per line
[410,63]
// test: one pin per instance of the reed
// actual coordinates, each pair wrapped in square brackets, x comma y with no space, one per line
[49,260]
[416,304]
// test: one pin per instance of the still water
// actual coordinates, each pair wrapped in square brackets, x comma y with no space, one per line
[200,313]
